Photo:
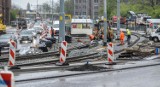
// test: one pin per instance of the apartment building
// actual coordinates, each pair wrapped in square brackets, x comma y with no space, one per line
[5,6]
[89,8]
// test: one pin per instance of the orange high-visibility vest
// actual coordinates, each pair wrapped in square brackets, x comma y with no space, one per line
[91,37]
[122,35]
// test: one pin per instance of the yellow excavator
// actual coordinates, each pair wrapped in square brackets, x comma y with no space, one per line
[2,26]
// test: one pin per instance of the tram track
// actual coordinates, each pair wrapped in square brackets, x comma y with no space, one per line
[75,59]
[53,60]
[42,55]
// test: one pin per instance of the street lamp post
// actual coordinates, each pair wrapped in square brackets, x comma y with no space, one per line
[105,22]
[118,17]
[62,22]
[52,12]
[37,9]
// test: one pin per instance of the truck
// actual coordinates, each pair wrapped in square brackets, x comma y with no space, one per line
[155,36]
[142,18]
[22,23]
[152,25]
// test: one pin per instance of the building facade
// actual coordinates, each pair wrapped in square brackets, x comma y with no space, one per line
[89,8]
[5,6]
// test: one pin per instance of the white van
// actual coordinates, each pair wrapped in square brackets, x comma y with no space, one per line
[56,27]
[155,36]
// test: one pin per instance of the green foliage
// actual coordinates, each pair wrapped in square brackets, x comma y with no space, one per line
[138,6]
[13,14]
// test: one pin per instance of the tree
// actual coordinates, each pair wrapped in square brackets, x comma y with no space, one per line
[57,7]
[14,12]
[69,7]
[111,8]
[46,7]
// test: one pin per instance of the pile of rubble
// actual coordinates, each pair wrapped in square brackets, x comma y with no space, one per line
[139,51]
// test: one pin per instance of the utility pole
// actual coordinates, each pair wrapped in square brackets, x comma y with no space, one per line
[93,8]
[52,12]
[62,22]
[105,22]
[37,9]
[118,18]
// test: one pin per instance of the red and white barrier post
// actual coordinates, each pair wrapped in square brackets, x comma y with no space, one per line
[12,53]
[110,50]
[63,53]
[7,78]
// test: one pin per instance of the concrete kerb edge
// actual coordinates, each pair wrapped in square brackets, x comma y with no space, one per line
[90,72]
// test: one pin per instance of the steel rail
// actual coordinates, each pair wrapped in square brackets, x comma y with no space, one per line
[42,55]
[77,58]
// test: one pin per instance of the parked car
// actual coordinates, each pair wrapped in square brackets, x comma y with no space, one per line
[13,23]
[38,29]
[4,40]
[11,31]
[26,35]
[22,23]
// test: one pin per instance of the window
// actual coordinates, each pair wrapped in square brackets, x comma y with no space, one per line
[84,1]
[76,1]
[76,7]
[96,7]
[76,13]
[158,30]
[95,1]
[74,25]
[81,26]
[84,7]
[84,13]
[95,13]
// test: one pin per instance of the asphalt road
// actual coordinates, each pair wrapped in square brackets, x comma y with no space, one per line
[140,77]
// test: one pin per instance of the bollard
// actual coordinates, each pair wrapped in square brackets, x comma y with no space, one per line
[63,52]
[0,50]
[12,55]
[157,51]
[12,52]
[6,78]
[110,52]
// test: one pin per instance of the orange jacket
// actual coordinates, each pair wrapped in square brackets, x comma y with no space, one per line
[122,35]
[91,37]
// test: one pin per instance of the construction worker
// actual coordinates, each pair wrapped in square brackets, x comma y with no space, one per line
[122,36]
[128,36]
[110,35]
[91,37]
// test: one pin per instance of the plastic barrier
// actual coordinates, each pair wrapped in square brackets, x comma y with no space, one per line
[63,52]
[110,53]
[12,53]
[6,78]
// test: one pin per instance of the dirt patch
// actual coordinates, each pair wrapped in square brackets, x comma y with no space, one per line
[88,67]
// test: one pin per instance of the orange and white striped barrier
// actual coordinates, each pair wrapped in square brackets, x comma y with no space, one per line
[63,52]
[6,79]
[110,52]
[12,53]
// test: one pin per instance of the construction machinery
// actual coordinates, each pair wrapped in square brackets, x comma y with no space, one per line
[2,26]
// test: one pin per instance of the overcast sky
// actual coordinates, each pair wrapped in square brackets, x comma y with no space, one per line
[23,3]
